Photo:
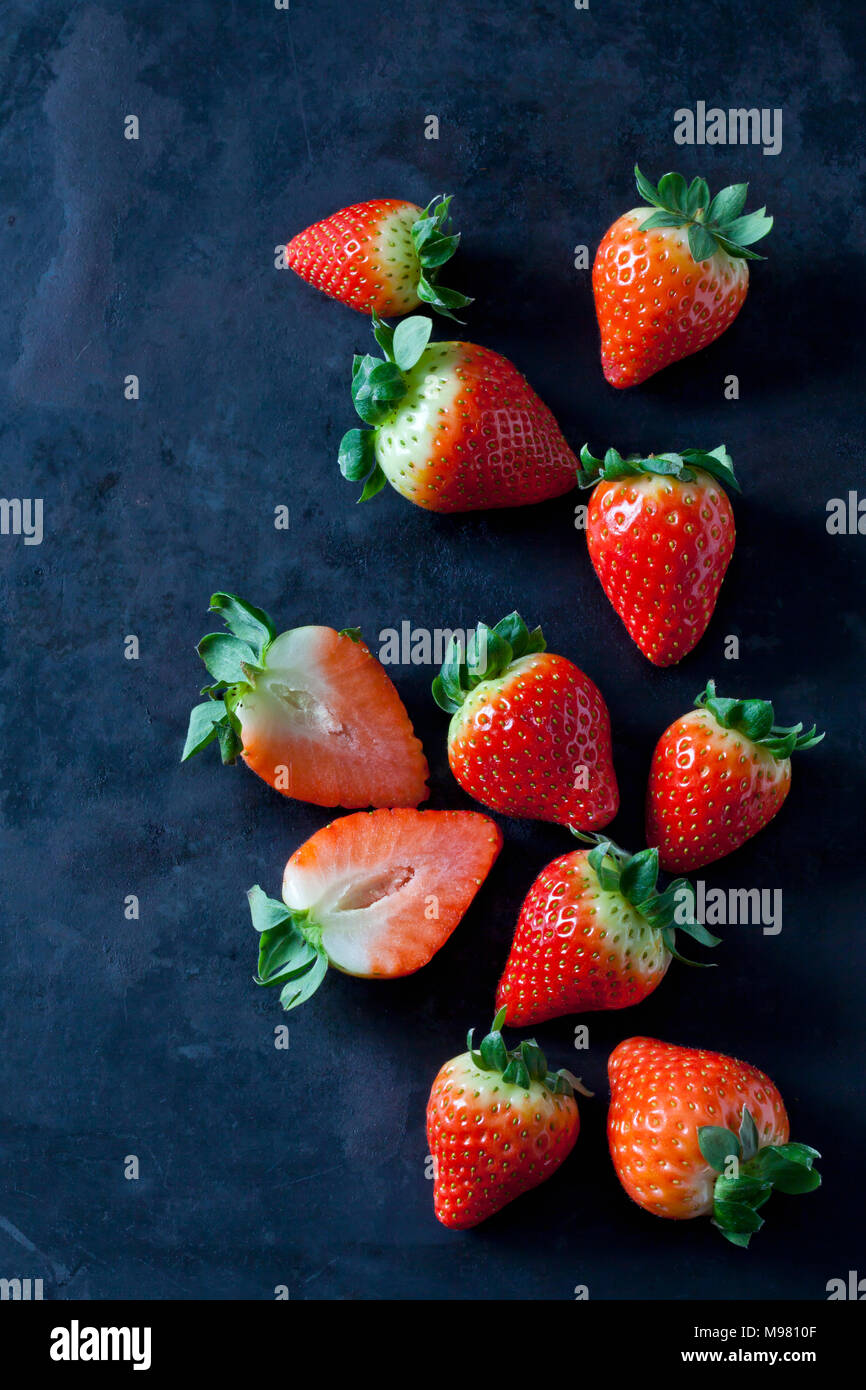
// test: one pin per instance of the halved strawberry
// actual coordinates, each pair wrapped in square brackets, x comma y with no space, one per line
[380,257]
[455,426]
[311,711]
[374,894]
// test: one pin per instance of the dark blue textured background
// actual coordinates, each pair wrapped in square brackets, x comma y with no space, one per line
[305,1167]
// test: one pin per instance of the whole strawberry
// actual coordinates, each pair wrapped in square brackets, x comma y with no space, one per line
[498,1124]
[530,733]
[695,1133]
[594,933]
[380,257]
[660,532]
[455,427]
[670,281]
[718,775]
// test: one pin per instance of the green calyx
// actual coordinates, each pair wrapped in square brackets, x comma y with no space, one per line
[717,463]
[378,386]
[635,877]
[290,951]
[714,224]
[435,244]
[748,1175]
[754,719]
[526,1064]
[234,659]
[494,649]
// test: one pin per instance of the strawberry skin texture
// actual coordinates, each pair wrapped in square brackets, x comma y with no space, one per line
[655,304]
[710,789]
[363,256]
[471,434]
[518,744]
[660,548]
[577,948]
[491,1140]
[660,1095]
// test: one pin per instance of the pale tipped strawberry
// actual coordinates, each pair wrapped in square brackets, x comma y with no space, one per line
[718,775]
[498,1124]
[595,933]
[381,257]
[670,277]
[374,894]
[311,711]
[694,1133]
[455,427]
[530,733]
[660,532]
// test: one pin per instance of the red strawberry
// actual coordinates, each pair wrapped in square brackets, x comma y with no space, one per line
[374,894]
[380,257]
[594,933]
[456,427]
[695,1133]
[530,733]
[718,775]
[668,282]
[660,532]
[498,1124]
[311,711]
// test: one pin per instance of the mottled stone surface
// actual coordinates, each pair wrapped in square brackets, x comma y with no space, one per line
[306,1167]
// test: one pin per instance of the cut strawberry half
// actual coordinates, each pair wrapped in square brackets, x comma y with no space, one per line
[311,711]
[375,894]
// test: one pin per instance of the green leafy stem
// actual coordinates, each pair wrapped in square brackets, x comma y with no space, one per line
[378,386]
[714,224]
[290,951]
[520,1067]
[754,719]
[748,1175]
[494,650]
[435,244]
[233,659]
[717,462]
[635,877]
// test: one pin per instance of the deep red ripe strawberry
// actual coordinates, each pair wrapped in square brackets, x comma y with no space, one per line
[670,281]
[695,1133]
[456,427]
[380,257]
[374,894]
[660,532]
[594,933]
[498,1124]
[311,711]
[718,775]
[530,733]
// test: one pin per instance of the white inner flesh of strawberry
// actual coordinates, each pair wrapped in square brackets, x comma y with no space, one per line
[363,919]
[290,694]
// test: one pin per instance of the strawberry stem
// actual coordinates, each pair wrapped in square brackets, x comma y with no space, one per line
[714,224]
[748,1175]
[754,719]
[527,1063]
[717,462]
